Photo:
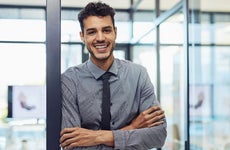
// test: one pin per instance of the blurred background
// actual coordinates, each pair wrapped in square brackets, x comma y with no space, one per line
[186,51]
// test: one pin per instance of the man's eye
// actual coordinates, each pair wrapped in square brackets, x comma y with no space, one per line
[91,32]
[107,30]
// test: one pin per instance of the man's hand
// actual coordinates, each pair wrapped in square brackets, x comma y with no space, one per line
[75,137]
[148,118]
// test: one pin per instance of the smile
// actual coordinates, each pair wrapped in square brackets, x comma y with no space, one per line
[101,47]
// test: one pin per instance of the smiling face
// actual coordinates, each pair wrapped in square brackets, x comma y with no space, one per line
[99,37]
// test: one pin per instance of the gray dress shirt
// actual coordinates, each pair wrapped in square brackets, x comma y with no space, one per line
[131,93]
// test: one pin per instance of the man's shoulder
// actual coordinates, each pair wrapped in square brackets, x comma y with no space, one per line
[129,64]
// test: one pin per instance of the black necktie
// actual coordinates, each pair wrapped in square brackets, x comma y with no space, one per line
[106,116]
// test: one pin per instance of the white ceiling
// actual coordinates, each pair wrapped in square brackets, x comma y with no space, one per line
[205,5]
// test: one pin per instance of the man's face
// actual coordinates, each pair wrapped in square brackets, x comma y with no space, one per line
[99,37]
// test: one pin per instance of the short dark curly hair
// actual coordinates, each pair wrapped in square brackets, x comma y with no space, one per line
[95,9]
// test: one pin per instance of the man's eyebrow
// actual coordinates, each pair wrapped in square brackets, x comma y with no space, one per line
[102,28]
[89,29]
[107,27]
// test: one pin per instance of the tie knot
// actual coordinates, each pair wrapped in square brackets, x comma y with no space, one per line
[106,76]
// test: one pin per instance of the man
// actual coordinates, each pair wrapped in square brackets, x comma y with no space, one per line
[137,121]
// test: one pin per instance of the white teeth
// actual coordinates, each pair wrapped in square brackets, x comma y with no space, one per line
[104,46]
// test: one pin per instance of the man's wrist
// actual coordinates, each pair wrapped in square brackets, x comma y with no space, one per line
[105,137]
[129,127]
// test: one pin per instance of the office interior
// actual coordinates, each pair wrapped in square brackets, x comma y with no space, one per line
[184,44]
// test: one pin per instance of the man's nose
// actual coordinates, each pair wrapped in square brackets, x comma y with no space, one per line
[100,36]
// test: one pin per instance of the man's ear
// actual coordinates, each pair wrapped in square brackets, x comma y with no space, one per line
[82,37]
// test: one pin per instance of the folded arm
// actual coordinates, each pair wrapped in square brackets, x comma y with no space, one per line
[76,137]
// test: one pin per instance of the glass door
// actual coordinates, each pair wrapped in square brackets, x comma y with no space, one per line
[172,79]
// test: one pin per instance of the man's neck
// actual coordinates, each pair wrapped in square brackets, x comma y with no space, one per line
[104,64]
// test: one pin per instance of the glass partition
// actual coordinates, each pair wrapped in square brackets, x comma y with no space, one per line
[145,55]
[22,79]
[172,80]
[209,76]
[71,55]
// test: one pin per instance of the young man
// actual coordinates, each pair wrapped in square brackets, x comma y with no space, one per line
[137,121]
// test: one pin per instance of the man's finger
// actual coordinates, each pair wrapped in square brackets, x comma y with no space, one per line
[152,109]
[67,134]
[67,130]
[156,123]
[155,118]
[157,113]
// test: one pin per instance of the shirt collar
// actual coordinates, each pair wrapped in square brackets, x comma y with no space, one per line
[98,72]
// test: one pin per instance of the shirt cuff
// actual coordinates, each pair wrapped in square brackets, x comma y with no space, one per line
[119,139]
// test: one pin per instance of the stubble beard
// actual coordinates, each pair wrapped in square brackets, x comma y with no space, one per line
[98,58]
